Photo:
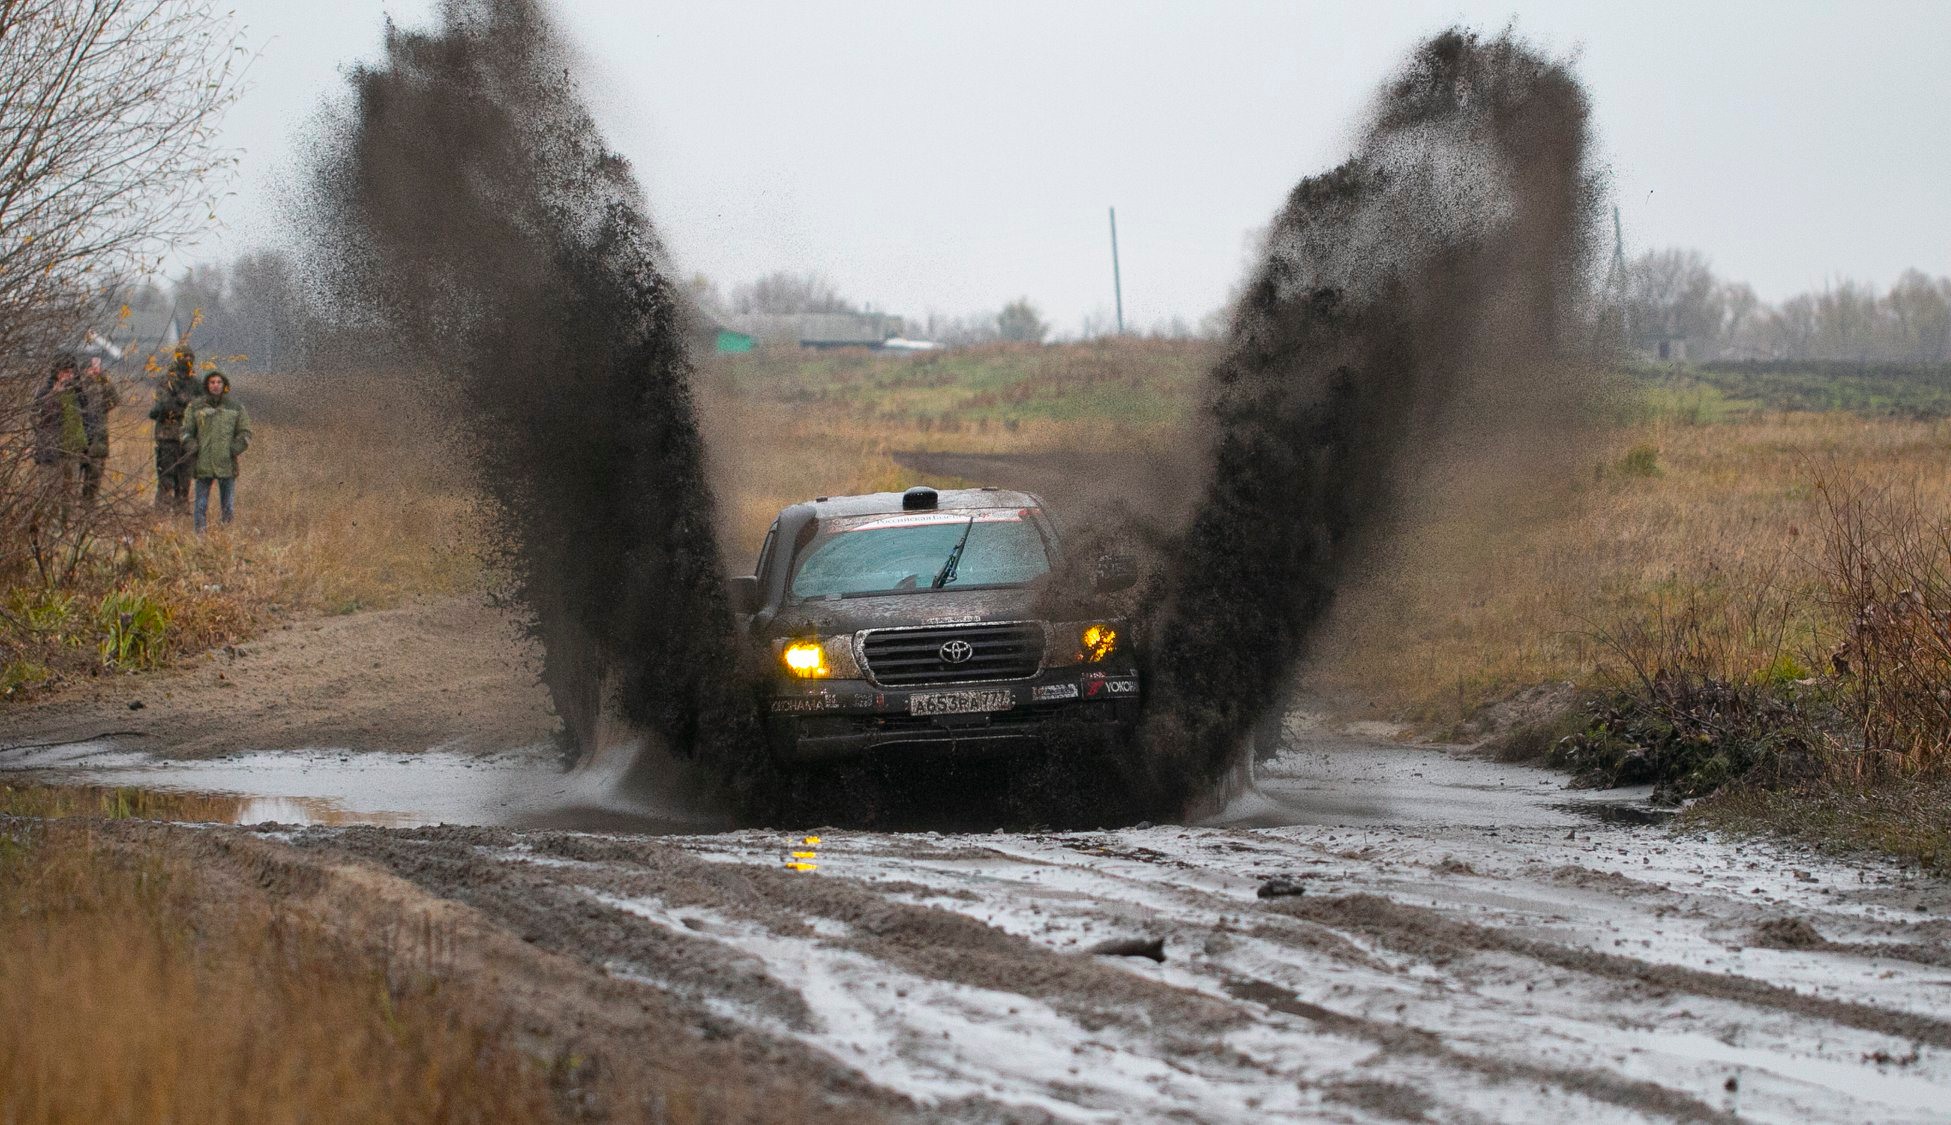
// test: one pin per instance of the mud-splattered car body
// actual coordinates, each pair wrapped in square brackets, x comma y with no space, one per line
[865,643]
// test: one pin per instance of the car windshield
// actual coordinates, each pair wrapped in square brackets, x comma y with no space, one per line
[894,554]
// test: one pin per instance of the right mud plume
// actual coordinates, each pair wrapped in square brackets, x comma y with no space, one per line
[1426,293]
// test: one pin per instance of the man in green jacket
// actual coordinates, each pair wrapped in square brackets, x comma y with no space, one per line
[216,431]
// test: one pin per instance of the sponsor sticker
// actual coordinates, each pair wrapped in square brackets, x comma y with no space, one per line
[1048,692]
[1100,688]
[797,705]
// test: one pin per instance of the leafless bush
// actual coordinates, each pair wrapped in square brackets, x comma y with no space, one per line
[1888,577]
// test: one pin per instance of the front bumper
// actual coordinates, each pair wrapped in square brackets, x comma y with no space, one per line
[820,720]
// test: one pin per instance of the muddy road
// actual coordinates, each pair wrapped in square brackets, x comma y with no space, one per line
[1378,932]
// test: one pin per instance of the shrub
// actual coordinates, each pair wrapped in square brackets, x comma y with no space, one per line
[1641,461]
[1690,735]
[1888,578]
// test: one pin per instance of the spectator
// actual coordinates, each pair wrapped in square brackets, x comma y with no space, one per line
[216,432]
[107,398]
[70,426]
[173,395]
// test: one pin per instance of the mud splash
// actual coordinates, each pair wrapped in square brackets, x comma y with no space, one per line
[1425,294]
[465,200]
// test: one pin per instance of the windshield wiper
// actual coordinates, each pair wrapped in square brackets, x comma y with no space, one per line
[947,574]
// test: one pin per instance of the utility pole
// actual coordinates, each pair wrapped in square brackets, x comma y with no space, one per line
[1117,283]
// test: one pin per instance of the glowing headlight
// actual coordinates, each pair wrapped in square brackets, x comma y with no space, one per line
[1097,641]
[806,659]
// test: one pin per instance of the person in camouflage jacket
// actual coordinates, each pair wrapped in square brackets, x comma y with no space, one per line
[173,396]
[70,427]
[216,431]
[108,397]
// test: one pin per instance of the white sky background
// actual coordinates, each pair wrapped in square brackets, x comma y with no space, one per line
[951,157]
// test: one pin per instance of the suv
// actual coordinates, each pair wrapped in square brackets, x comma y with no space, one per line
[909,619]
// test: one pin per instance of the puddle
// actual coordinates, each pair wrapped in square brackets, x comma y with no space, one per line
[119,802]
[331,788]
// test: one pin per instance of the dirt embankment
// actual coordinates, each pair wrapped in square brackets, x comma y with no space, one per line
[448,672]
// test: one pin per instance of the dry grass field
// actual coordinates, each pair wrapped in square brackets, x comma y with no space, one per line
[131,992]
[1724,525]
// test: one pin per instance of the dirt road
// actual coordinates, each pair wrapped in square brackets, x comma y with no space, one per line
[445,672]
[1455,939]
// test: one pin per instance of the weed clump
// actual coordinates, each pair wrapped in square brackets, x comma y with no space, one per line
[1691,735]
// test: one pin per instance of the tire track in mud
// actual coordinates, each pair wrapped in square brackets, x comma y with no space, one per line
[1429,935]
[715,922]
[1166,885]
[549,901]
[1594,1084]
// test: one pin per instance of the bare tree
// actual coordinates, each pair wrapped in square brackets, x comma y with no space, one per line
[1920,315]
[107,159]
[107,112]
[1671,294]
[790,293]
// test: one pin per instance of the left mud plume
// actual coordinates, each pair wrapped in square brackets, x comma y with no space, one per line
[465,205]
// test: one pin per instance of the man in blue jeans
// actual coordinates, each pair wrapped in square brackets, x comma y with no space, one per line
[216,431]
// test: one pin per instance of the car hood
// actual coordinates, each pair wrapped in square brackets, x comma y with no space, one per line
[930,607]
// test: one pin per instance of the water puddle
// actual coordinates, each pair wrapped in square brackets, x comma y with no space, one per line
[330,788]
[119,802]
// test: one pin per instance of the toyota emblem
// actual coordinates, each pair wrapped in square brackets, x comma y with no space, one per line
[957,652]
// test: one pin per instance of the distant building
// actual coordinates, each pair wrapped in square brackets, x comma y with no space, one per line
[709,334]
[1663,349]
[818,330]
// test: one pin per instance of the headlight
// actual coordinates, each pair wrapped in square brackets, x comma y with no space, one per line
[1096,643]
[805,659]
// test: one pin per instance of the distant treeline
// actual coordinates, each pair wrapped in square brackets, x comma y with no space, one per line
[1672,297]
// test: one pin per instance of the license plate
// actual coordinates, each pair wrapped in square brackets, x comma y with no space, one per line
[959,702]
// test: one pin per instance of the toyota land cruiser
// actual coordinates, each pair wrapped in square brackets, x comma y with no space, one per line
[909,620]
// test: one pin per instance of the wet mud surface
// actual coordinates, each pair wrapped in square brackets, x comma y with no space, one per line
[1376,931]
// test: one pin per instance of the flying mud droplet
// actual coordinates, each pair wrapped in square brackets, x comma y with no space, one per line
[465,202]
[1429,291]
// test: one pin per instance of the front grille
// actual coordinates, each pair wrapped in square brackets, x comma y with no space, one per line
[899,657]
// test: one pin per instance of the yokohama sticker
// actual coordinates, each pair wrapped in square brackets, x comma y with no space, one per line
[1097,689]
[822,702]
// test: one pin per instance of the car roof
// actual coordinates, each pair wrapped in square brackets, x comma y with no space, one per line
[947,499]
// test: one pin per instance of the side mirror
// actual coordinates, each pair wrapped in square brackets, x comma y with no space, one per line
[1113,573]
[743,590]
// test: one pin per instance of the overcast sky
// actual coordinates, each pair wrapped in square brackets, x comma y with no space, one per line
[950,157]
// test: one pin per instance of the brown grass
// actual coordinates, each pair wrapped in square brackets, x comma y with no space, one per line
[127,996]
[1542,585]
